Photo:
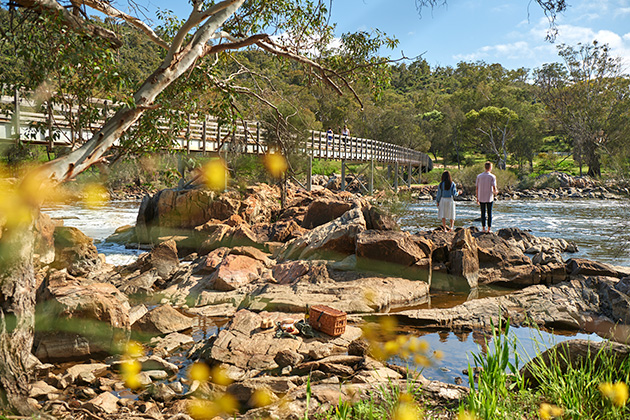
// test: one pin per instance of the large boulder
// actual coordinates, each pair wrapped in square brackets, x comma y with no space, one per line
[235,271]
[583,267]
[260,203]
[79,320]
[163,258]
[464,258]
[75,251]
[377,219]
[393,252]
[567,306]
[172,210]
[162,320]
[333,240]
[615,298]
[323,210]
[520,276]
[244,345]
[494,250]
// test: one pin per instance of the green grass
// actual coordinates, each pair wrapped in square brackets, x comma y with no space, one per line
[380,404]
[501,393]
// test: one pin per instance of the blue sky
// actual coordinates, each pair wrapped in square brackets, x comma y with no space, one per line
[509,32]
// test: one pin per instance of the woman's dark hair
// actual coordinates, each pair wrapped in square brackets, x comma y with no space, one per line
[447,180]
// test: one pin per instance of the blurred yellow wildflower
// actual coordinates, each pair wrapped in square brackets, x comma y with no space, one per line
[95,195]
[202,409]
[276,164]
[466,415]
[438,354]
[261,398]
[617,392]
[407,411]
[220,377]
[214,174]
[199,372]
[134,349]
[550,411]
[130,370]
[226,404]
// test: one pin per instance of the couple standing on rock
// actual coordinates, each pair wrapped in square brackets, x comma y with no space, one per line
[486,187]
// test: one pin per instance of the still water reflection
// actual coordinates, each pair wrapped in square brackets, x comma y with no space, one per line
[457,349]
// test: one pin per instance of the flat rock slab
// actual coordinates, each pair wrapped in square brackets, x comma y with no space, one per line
[245,345]
[568,305]
[366,295]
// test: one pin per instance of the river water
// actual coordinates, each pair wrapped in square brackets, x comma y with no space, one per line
[599,227]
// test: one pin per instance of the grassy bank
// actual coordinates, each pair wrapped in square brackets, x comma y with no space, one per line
[592,387]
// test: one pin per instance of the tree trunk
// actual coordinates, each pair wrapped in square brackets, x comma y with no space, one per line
[17,316]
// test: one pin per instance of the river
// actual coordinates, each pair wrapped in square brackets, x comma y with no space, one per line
[601,228]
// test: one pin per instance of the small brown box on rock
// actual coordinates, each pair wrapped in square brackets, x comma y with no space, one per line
[327,320]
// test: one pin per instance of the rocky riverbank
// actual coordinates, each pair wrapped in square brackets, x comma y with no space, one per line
[224,269]
[564,186]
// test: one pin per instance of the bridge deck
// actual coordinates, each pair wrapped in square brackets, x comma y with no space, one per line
[205,135]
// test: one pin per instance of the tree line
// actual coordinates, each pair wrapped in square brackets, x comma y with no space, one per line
[579,105]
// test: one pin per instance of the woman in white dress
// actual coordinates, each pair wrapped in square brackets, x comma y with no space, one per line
[445,200]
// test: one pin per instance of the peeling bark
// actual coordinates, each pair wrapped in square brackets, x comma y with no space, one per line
[17,316]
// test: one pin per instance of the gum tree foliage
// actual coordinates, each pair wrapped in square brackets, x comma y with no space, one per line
[588,97]
[494,127]
[191,75]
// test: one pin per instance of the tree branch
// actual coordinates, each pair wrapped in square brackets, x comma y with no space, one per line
[107,9]
[74,22]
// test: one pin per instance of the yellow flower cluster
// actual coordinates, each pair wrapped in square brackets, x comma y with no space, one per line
[466,415]
[215,175]
[201,408]
[385,343]
[407,409]
[276,164]
[617,393]
[550,411]
[131,367]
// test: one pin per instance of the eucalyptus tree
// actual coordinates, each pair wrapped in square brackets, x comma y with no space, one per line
[495,127]
[588,96]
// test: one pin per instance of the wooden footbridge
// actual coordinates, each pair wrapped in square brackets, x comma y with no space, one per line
[22,120]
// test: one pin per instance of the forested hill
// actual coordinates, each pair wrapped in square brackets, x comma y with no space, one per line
[579,106]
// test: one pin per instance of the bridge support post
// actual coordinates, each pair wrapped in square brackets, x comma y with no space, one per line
[396,177]
[409,175]
[16,114]
[371,184]
[343,174]
[309,174]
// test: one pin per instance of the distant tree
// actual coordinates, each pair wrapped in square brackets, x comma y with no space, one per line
[495,127]
[587,94]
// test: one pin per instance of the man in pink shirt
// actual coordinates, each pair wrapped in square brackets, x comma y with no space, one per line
[486,188]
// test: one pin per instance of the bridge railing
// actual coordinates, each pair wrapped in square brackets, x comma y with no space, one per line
[203,135]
